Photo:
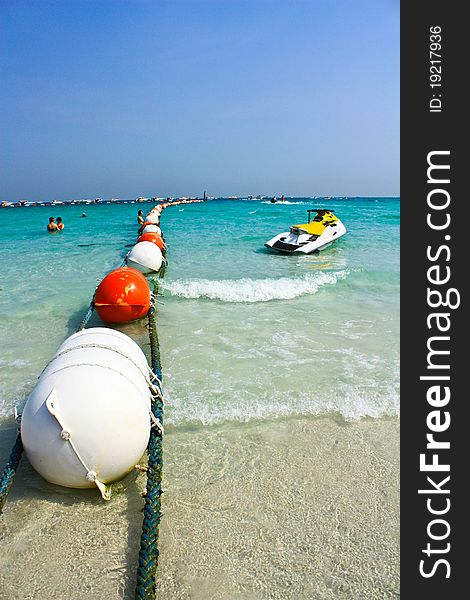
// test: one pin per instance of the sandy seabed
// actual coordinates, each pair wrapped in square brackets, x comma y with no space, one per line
[298,508]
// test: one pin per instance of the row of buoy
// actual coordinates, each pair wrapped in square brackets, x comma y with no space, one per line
[146,256]
[87,422]
[124,294]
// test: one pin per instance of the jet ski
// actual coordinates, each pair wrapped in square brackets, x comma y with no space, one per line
[319,233]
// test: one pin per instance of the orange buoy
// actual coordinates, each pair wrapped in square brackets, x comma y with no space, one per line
[152,237]
[123,295]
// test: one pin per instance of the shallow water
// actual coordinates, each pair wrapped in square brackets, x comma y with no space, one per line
[270,363]
[307,334]
[300,508]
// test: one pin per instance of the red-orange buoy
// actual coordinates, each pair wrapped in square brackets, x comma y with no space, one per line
[123,295]
[152,237]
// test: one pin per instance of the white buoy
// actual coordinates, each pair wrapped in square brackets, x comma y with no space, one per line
[152,229]
[87,421]
[153,218]
[145,256]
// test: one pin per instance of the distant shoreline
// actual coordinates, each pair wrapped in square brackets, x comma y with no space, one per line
[29,204]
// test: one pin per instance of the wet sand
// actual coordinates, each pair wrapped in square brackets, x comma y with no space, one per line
[301,508]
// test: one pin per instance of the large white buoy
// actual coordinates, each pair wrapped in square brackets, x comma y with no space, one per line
[152,228]
[145,256]
[87,421]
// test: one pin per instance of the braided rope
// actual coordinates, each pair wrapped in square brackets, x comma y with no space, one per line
[9,472]
[87,317]
[149,553]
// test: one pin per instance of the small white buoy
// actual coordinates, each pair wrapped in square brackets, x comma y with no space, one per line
[152,228]
[153,218]
[145,256]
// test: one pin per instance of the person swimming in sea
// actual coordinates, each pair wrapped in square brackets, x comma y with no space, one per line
[52,225]
[140,218]
[60,224]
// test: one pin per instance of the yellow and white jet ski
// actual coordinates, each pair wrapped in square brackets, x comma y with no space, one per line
[319,233]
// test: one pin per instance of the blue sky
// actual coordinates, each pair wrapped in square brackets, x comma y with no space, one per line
[154,98]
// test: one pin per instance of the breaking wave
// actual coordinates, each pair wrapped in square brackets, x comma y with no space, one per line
[253,290]
[352,405]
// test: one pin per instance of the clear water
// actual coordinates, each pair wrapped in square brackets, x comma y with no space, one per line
[244,333]
[275,485]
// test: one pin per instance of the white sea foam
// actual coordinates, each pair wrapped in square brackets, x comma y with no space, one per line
[351,402]
[253,290]
[16,363]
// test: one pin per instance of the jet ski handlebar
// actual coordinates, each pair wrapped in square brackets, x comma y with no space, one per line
[319,211]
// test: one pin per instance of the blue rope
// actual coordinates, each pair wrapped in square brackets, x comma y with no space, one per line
[87,317]
[9,472]
[149,553]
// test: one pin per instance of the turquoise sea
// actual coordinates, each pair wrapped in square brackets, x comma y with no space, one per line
[281,380]
[244,333]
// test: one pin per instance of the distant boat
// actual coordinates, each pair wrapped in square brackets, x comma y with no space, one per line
[232,197]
